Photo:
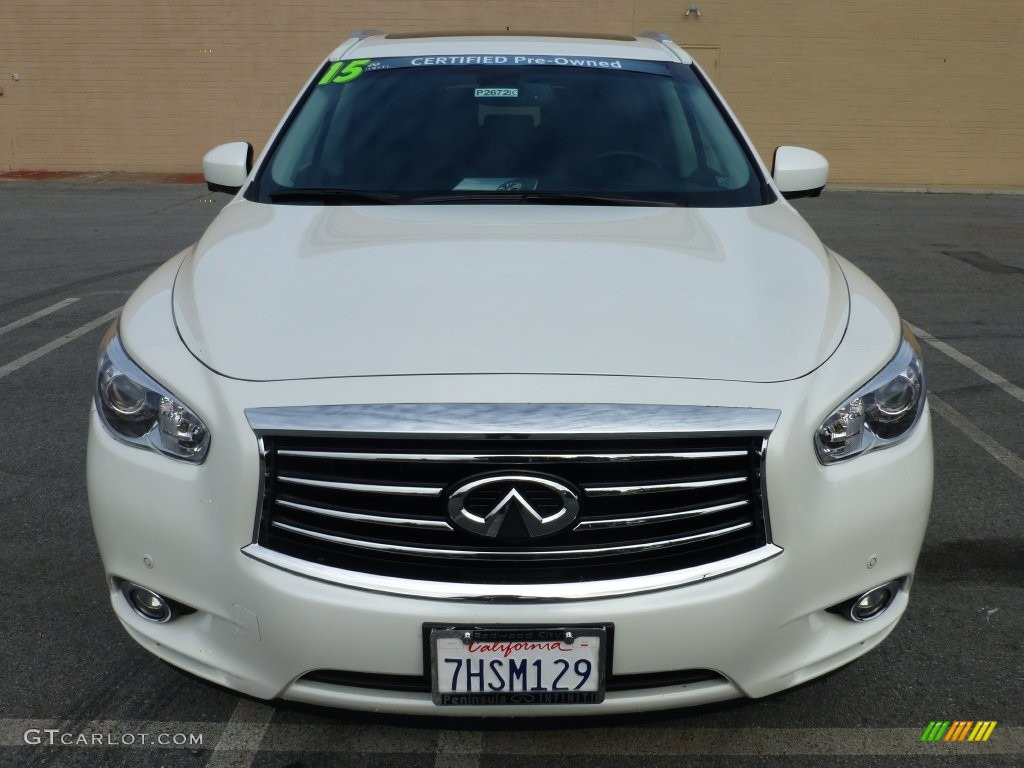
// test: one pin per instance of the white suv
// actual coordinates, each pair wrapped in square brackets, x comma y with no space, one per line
[509,384]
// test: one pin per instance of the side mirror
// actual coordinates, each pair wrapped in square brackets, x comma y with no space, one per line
[227,167]
[799,172]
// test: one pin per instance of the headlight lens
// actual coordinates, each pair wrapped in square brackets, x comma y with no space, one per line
[140,412]
[879,414]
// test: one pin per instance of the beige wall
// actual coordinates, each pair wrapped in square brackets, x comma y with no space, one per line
[919,93]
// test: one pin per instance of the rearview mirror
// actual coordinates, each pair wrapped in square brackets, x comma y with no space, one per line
[227,167]
[799,172]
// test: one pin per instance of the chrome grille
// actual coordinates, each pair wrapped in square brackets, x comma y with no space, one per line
[650,503]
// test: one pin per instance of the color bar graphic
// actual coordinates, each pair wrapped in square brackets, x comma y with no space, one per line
[982,730]
[935,731]
[958,730]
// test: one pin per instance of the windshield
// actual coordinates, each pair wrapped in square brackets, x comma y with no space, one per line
[484,128]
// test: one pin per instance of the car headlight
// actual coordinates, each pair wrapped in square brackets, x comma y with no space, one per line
[879,414]
[140,412]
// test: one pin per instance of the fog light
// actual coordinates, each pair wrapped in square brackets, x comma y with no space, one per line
[147,603]
[874,602]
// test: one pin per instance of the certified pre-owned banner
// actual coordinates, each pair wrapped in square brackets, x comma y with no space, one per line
[345,71]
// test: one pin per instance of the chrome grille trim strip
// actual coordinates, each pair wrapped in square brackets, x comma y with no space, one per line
[534,593]
[514,458]
[401,490]
[359,517]
[498,556]
[613,450]
[663,518]
[539,419]
[634,490]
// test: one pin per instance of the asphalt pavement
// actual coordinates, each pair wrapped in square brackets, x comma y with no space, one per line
[75,690]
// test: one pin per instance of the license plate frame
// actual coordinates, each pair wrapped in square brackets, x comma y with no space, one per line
[582,648]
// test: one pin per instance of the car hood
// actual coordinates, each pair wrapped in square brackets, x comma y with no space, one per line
[303,291]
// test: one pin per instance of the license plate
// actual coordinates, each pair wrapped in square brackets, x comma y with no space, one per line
[505,665]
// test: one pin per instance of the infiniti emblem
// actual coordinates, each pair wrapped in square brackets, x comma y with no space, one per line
[513,506]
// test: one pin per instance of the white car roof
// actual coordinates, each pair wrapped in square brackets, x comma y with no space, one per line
[378,45]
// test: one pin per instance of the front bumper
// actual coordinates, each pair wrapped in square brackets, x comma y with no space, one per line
[179,530]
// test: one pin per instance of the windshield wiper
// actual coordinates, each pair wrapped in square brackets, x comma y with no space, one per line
[469,197]
[582,198]
[336,196]
[333,196]
[547,198]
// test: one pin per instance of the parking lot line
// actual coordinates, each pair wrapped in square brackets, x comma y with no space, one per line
[36,315]
[239,742]
[970,363]
[458,749]
[1003,455]
[46,349]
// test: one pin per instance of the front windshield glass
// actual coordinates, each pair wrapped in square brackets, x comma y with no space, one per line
[485,128]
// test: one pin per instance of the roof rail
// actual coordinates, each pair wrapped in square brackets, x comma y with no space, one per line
[666,40]
[351,40]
